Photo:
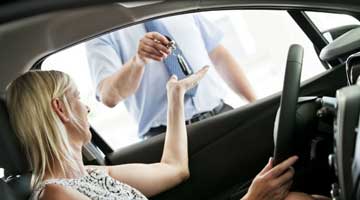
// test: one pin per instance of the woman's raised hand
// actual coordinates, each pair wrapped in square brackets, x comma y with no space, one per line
[175,86]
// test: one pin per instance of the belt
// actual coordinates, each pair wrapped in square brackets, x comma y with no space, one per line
[218,109]
[204,115]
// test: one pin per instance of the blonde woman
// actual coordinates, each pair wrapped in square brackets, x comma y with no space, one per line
[51,122]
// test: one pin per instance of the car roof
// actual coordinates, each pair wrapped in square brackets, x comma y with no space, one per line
[31,30]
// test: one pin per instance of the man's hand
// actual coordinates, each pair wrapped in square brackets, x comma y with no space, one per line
[153,46]
[272,183]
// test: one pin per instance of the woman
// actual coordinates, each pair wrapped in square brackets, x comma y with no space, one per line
[51,122]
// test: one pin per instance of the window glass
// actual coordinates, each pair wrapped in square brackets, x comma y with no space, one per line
[326,21]
[256,40]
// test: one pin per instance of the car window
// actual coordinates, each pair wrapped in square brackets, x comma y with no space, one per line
[328,21]
[256,40]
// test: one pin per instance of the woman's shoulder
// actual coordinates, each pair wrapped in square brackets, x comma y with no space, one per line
[59,192]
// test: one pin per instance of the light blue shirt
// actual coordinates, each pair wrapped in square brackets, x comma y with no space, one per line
[194,35]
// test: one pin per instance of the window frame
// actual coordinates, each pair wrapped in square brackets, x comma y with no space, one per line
[299,16]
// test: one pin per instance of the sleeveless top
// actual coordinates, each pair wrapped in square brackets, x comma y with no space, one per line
[97,185]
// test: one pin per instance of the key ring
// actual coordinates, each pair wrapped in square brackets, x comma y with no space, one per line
[181,60]
[171,43]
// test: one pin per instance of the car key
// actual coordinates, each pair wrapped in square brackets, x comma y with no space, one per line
[184,67]
[181,60]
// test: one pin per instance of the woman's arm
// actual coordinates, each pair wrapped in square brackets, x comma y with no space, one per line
[152,179]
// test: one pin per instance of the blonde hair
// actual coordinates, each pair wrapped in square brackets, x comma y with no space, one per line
[36,124]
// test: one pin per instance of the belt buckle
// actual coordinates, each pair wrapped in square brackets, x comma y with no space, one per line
[205,115]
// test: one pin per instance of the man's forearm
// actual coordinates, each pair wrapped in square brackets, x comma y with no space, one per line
[241,84]
[122,83]
[232,73]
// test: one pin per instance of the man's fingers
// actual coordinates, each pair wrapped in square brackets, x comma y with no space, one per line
[151,56]
[156,45]
[158,36]
[282,167]
[150,50]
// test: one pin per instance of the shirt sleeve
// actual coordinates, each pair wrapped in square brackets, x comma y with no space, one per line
[103,59]
[211,34]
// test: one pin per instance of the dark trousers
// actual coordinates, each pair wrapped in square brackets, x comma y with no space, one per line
[223,107]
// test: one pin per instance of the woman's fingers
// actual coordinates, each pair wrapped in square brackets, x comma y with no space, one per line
[192,80]
[187,83]
[281,168]
[286,177]
[283,191]
[267,167]
[173,78]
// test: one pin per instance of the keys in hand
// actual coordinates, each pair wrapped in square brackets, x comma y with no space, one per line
[181,60]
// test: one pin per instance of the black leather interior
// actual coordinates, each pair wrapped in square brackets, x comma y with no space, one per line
[6,193]
[11,157]
[13,160]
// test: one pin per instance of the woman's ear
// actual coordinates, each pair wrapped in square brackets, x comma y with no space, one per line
[59,108]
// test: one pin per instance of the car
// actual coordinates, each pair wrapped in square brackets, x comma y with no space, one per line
[316,120]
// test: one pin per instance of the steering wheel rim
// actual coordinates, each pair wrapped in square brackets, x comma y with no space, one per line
[284,126]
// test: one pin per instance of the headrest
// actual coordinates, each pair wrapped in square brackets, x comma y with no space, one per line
[6,192]
[12,159]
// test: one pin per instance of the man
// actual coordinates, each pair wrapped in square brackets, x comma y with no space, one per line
[134,64]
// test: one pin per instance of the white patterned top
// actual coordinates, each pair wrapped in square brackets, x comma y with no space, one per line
[97,185]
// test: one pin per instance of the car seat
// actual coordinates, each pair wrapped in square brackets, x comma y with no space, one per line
[16,183]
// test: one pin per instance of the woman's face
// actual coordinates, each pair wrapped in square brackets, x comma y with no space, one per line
[80,112]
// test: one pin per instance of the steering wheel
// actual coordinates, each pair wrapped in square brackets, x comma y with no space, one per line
[284,126]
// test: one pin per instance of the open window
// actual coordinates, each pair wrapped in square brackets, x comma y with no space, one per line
[258,40]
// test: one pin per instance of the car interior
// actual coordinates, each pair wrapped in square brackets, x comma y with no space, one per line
[317,119]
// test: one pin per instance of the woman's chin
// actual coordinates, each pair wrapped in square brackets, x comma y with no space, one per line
[88,136]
